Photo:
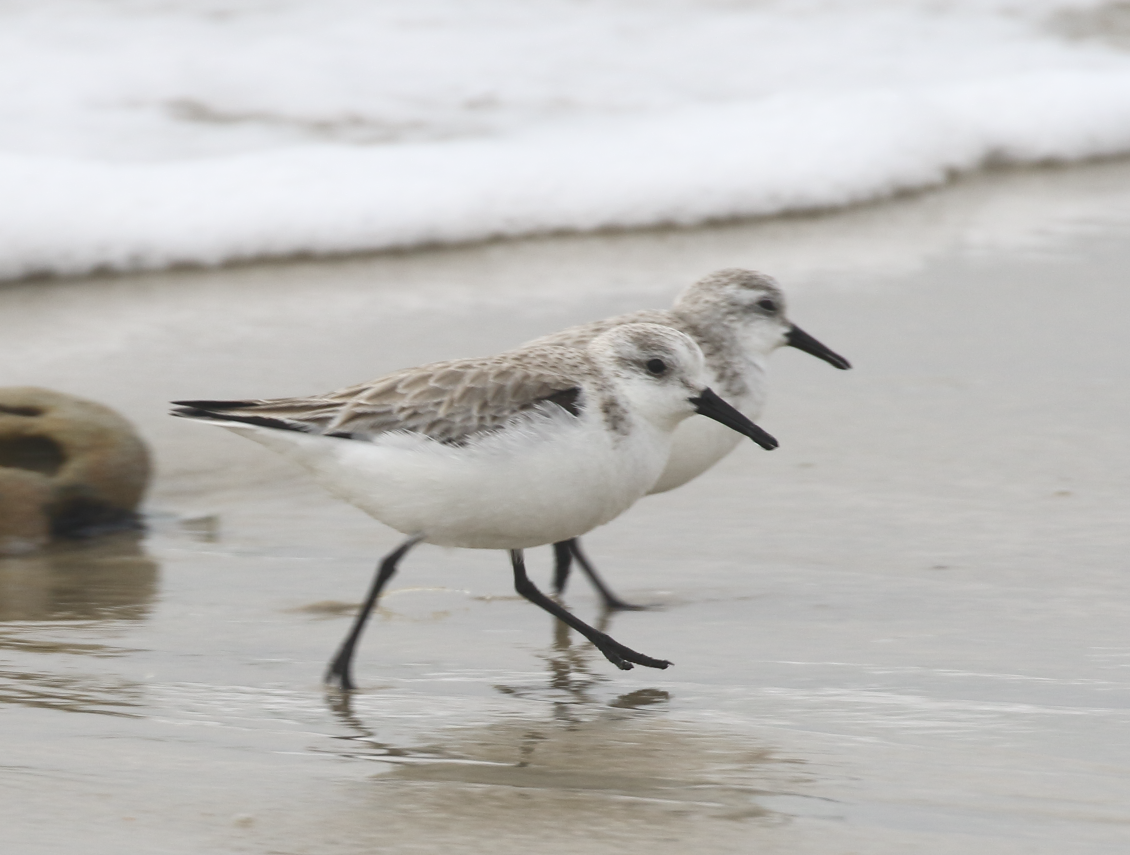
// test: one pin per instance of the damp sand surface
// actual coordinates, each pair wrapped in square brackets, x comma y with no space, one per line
[906,630]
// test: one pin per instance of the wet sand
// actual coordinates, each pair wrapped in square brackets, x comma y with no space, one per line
[906,630]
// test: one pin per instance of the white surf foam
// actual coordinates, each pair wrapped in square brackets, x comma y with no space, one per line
[151,134]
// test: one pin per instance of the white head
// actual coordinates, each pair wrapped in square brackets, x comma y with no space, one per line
[749,307]
[660,374]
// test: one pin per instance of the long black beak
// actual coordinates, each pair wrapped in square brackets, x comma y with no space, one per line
[713,407]
[798,338]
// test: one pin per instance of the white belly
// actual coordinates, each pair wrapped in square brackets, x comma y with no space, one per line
[514,490]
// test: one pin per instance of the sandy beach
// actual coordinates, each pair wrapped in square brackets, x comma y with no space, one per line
[906,630]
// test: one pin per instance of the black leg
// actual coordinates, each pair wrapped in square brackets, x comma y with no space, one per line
[340,672]
[611,601]
[614,651]
[562,561]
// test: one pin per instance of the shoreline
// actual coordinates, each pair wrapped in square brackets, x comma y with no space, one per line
[954,182]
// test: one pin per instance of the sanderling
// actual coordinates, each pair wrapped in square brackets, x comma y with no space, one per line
[533,446]
[737,317]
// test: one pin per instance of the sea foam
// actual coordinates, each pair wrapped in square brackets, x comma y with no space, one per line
[333,127]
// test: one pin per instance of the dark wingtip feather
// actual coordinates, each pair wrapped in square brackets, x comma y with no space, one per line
[214,405]
[567,399]
[202,410]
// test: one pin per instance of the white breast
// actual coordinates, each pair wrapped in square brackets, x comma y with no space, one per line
[700,442]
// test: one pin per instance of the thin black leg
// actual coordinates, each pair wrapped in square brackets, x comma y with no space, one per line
[562,562]
[615,652]
[340,672]
[611,601]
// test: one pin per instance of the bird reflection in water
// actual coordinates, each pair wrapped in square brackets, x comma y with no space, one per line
[586,756]
[571,690]
[571,681]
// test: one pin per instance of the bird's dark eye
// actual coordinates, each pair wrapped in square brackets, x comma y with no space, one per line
[767,304]
[656,367]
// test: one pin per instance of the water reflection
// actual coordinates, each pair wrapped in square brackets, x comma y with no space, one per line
[55,604]
[587,754]
[69,693]
[109,578]
[572,681]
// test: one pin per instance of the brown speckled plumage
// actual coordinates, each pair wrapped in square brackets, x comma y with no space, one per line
[450,402]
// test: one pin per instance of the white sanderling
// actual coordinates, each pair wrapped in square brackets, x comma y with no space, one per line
[529,447]
[737,317]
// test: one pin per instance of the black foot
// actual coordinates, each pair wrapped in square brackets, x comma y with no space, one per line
[340,672]
[615,652]
[624,657]
[338,676]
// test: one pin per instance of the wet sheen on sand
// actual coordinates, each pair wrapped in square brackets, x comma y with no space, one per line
[903,631]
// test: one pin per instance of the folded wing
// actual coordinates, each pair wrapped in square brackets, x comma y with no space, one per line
[450,402]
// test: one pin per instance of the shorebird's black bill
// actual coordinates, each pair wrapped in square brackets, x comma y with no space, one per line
[798,338]
[710,405]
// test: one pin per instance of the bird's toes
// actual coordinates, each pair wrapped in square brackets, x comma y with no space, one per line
[339,680]
[648,662]
[619,651]
[615,658]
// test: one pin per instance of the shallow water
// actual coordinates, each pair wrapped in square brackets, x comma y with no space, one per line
[903,631]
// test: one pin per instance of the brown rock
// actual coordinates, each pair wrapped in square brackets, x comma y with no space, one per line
[89,461]
[24,523]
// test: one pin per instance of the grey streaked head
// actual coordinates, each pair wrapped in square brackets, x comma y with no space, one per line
[657,367]
[744,309]
[661,377]
[744,302]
